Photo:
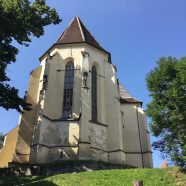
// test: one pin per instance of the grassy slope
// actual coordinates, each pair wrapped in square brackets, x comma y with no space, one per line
[126,177]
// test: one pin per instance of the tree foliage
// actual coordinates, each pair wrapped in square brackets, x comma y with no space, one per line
[1,139]
[19,21]
[167,87]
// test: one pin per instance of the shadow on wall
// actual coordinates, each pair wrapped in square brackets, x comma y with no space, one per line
[25,133]
[29,132]
[20,143]
[27,123]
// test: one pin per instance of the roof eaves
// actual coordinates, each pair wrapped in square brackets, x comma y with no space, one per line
[40,58]
[130,101]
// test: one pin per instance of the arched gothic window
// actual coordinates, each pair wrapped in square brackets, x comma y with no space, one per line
[94,94]
[68,90]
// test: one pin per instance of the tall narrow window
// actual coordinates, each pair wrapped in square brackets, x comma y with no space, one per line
[68,90]
[94,94]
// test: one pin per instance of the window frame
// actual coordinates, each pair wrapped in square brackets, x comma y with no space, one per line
[68,90]
[94,113]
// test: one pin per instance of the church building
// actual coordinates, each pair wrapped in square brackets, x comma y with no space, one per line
[80,110]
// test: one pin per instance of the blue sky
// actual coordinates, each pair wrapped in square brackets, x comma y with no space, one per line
[136,32]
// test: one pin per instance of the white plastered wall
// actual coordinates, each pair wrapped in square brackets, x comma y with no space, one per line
[89,130]
[98,59]
[145,139]
[113,116]
[54,94]
[54,136]
[135,136]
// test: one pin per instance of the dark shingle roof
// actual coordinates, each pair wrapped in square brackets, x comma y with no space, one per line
[76,32]
[125,97]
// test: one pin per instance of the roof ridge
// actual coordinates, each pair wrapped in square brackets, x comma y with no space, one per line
[77,32]
[66,29]
[83,36]
[89,33]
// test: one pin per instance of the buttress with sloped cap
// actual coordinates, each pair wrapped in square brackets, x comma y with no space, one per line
[76,32]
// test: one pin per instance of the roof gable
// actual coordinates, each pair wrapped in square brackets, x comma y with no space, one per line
[76,32]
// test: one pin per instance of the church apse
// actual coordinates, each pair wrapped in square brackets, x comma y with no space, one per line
[81,111]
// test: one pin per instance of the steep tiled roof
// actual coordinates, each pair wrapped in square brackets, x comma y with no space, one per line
[76,32]
[125,97]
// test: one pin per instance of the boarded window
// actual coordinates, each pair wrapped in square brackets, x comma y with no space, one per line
[68,90]
[94,94]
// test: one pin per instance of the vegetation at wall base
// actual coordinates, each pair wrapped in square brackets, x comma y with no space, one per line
[126,177]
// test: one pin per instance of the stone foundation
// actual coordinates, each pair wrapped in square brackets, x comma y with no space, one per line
[17,169]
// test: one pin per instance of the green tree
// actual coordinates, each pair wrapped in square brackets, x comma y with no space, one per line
[167,87]
[1,139]
[19,21]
